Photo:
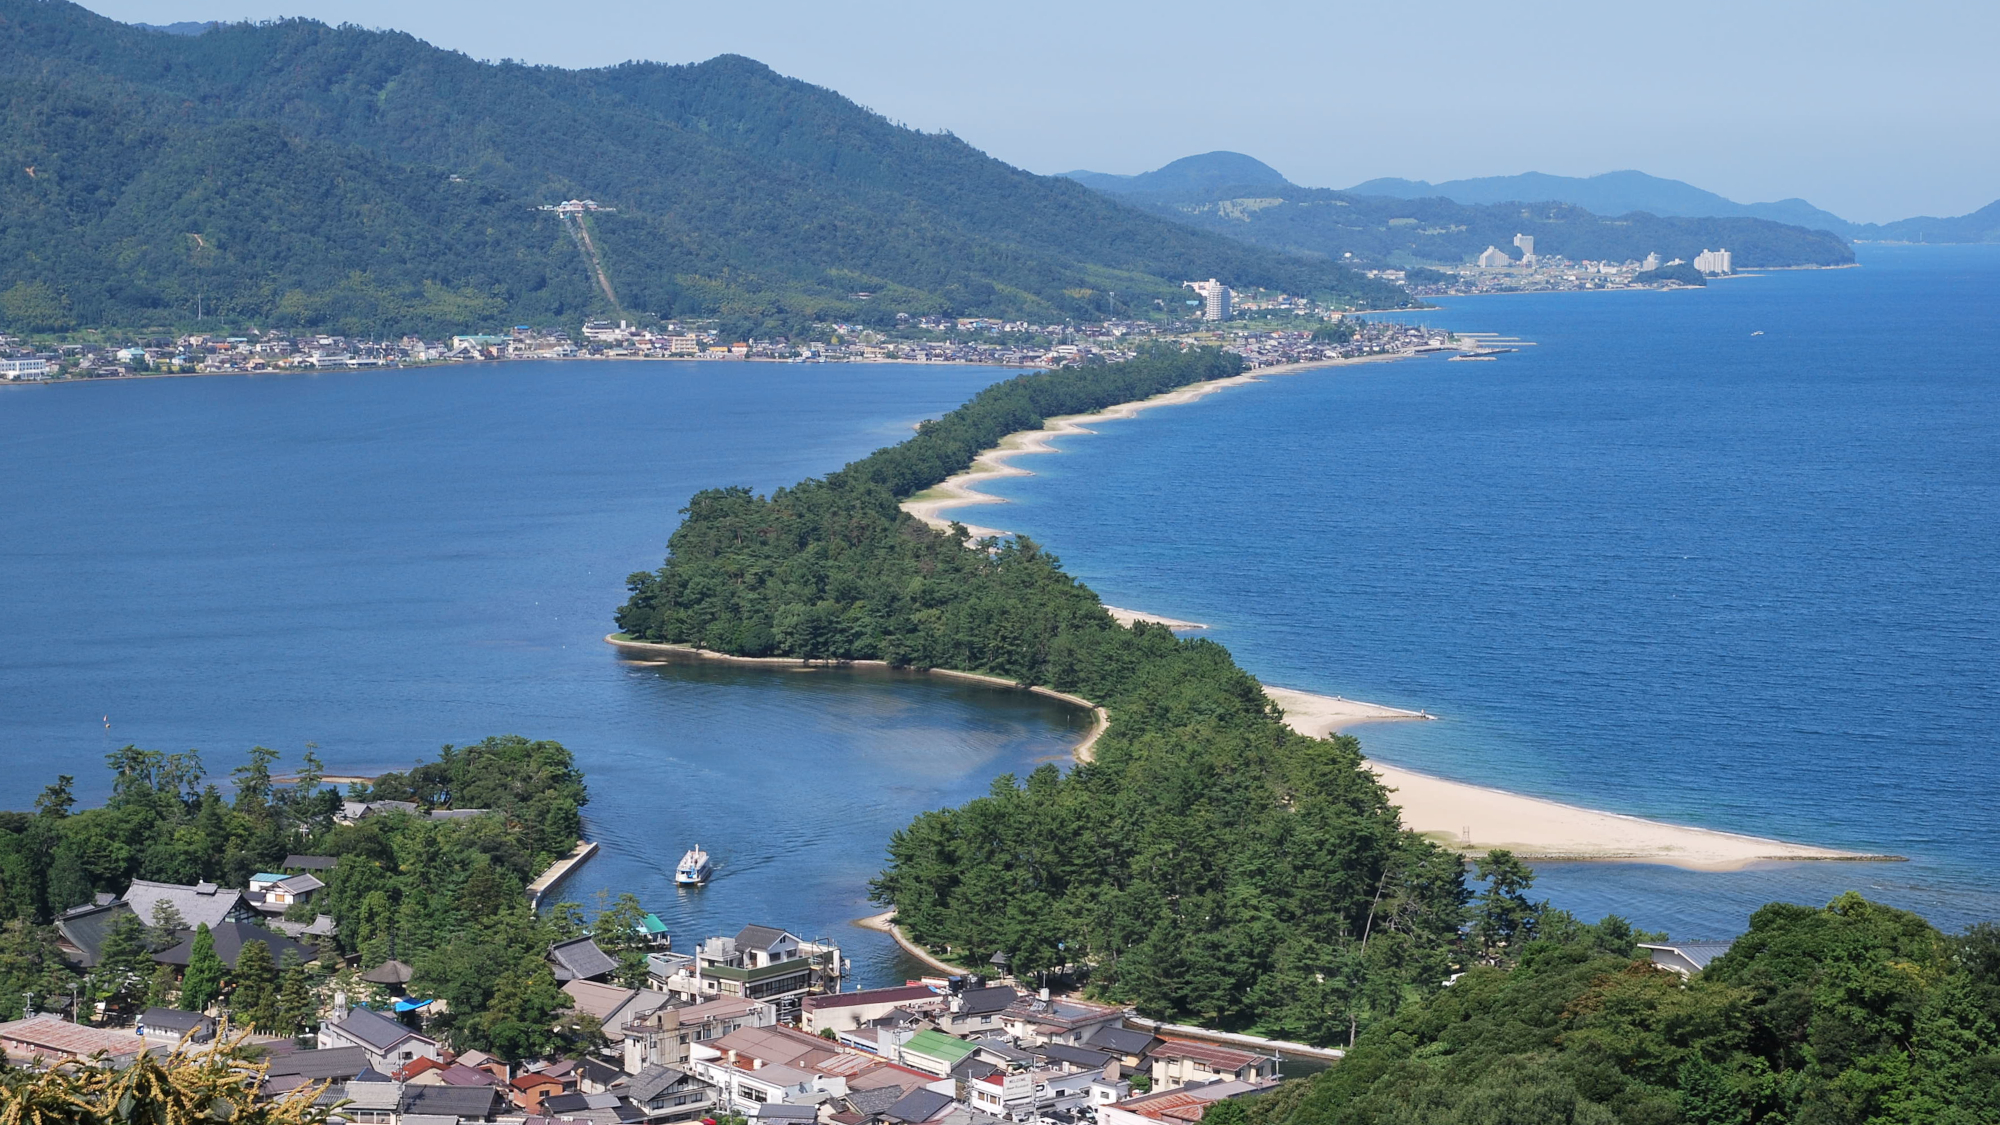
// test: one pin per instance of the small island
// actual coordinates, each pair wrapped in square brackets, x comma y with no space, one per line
[1671,274]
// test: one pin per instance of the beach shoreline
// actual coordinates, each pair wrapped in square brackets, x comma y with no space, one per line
[1472,819]
[957,491]
[650,652]
[1475,819]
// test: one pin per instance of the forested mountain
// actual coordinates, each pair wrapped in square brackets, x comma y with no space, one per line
[1378,229]
[1611,193]
[1235,195]
[1982,225]
[1190,175]
[297,174]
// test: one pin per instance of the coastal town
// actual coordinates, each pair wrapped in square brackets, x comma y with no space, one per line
[1264,328]
[750,1026]
[1521,270]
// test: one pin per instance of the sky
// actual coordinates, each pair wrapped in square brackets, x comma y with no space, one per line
[1873,111]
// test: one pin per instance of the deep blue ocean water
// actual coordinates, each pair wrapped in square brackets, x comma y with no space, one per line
[383,562]
[1655,564]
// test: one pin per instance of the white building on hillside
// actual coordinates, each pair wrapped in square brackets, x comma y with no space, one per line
[1215,298]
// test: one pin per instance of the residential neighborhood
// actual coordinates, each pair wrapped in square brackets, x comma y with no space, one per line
[1249,327]
[752,1025]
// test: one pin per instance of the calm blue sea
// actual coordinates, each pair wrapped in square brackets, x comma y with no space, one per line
[385,562]
[1657,563]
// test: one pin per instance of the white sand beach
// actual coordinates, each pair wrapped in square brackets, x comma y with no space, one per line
[1472,818]
[1475,819]
[958,491]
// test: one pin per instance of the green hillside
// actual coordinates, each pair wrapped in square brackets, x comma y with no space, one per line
[1385,230]
[294,174]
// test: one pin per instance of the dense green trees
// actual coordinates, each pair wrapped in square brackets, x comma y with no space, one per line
[306,176]
[1209,863]
[201,982]
[444,895]
[1849,1014]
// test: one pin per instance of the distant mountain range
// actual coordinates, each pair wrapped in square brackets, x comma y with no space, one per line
[1188,176]
[1613,193]
[1231,194]
[1609,194]
[292,174]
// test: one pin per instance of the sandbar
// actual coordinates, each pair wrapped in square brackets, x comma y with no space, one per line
[1475,819]
[958,491]
[1472,819]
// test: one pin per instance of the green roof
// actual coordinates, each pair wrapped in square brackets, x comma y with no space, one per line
[938,1045]
[651,924]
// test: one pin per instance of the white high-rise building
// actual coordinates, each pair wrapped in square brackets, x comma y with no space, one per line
[1652,262]
[1526,244]
[1215,298]
[1713,261]
[1494,258]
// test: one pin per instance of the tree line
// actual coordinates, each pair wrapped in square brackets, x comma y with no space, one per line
[445,896]
[1854,1014]
[1209,863]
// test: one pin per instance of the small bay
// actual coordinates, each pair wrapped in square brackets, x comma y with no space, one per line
[381,562]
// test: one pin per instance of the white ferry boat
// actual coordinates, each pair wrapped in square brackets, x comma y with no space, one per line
[695,868]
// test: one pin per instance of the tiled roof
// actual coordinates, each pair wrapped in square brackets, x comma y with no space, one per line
[875,1100]
[457,1101]
[202,902]
[329,1062]
[759,937]
[389,972]
[985,1001]
[373,1028]
[918,1105]
[173,1021]
[231,937]
[1123,1040]
[580,959]
[87,927]
[649,1083]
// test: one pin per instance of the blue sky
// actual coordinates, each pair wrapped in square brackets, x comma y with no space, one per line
[1873,111]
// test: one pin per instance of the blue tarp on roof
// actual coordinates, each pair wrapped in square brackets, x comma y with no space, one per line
[410,1005]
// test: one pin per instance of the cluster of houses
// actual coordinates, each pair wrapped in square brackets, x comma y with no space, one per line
[753,1025]
[929,339]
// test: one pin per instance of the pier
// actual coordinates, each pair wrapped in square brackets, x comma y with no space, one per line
[560,870]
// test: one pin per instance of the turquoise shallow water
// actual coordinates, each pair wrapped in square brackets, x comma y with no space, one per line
[1654,564]
[384,562]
